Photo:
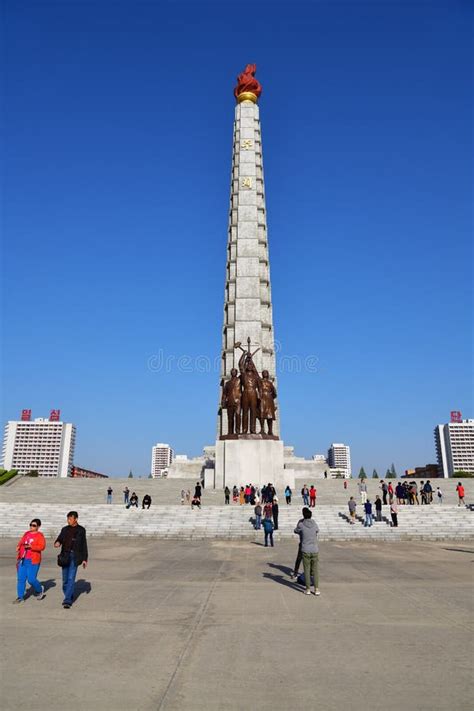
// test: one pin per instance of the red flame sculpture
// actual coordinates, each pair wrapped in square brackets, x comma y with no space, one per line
[246,82]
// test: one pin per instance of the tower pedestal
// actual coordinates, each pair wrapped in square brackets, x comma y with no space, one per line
[251,461]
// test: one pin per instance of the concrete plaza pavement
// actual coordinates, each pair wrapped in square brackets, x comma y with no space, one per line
[220,625]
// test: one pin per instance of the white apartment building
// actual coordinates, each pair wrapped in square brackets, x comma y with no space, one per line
[455,447]
[339,459]
[45,446]
[161,459]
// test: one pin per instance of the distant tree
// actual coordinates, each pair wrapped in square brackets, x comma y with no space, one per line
[362,474]
[374,474]
[462,474]
[393,471]
[130,476]
[391,474]
[33,472]
[150,476]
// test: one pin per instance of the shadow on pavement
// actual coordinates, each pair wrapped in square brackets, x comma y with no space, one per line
[283,581]
[82,586]
[286,569]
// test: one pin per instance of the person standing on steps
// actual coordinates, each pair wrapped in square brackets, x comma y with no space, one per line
[460,490]
[28,552]
[258,516]
[439,494]
[110,491]
[394,513]
[352,509]
[378,508]
[73,543]
[368,513]
[288,493]
[305,495]
[363,491]
[275,510]
[126,494]
[308,531]
[312,496]
[227,495]
[198,491]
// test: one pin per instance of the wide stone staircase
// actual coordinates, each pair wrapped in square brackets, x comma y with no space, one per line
[75,492]
[235,522]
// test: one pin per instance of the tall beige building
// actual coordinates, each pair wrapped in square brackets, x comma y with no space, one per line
[455,447]
[42,445]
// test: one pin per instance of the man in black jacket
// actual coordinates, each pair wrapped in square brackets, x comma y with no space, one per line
[73,542]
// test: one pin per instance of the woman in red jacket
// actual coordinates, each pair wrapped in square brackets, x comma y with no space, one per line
[28,552]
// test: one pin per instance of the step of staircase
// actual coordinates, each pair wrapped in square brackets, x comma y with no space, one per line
[449,522]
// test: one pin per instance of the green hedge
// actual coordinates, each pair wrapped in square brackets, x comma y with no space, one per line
[6,476]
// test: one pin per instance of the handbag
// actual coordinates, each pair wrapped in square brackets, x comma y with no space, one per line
[63,559]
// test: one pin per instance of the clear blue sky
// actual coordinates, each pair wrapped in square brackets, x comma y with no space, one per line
[118,140]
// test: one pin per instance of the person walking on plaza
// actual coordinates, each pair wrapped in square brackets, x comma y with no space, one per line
[352,509]
[146,501]
[268,531]
[305,495]
[73,543]
[299,556]
[312,496]
[28,561]
[378,508]
[439,494]
[235,494]
[227,495]
[110,491]
[258,516]
[394,513]
[288,493]
[241,496]
[275,511]
[308,531]
[126,494]
[368,513]
[363,491]
[461,493]
[345,484]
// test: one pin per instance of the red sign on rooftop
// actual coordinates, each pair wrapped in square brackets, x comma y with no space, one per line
[54,415]
[25,415]
[456,416]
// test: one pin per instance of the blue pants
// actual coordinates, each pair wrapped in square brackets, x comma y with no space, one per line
[368,519]
[69,578]
[109,498]
[258,521]
[269,535]
[305,500]
[27,571]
